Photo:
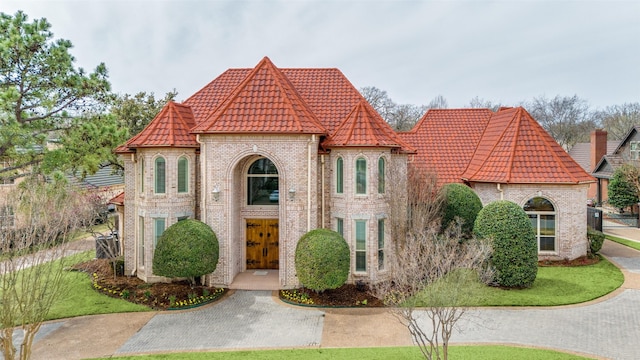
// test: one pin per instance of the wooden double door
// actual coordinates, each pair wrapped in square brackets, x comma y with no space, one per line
[262,244]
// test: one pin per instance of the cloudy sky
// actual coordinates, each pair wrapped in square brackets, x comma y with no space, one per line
[502,51]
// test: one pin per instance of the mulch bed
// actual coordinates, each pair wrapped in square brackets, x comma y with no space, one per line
[155,295]
[347,295]
[581,261]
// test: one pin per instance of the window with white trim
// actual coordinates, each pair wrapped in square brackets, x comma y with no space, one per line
[183,174]
[339,175]
[361,245]
[340,226]
[361,176]
[262,183]
[141,175]
[158,228]
[160,178]
[634,150]
[141,241]
[381,175]
[542,215]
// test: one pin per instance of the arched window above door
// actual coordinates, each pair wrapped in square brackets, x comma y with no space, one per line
[262,183]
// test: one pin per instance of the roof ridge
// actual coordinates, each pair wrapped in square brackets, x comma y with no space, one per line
[541,133]
[475,150]
[518,119]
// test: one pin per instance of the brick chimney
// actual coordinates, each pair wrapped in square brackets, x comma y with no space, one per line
[598,146]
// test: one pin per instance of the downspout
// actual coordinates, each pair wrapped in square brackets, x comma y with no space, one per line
[313,139]
[500,190]
[203,200]
[134,271]
[322,186]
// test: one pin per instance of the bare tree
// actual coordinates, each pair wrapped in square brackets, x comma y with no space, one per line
[438,102]
[46,215]
[431,273]
[379,100]
[405,116]
[400,117]
[619,119]
[567,119]
[479,103]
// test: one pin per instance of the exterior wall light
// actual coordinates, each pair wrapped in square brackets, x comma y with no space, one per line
[216,193]
[292,194]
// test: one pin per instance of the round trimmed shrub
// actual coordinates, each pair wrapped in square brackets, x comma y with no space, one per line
[460,201]
[596,239]
[188,248]
[515,250]
[322,260]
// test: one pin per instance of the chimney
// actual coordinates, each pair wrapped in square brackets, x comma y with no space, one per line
[598,146]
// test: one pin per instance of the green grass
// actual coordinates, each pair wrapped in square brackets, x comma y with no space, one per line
[81,299]
[383,353]
[629,243]
[554,285]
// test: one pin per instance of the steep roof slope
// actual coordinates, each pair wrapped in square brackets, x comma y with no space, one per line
[170,128]
[446,140]
[265,101]
[364,127]
[516,149]
[327,93]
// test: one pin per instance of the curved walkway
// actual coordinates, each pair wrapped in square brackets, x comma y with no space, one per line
[606,328]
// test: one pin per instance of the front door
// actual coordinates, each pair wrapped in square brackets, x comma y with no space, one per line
[262,244]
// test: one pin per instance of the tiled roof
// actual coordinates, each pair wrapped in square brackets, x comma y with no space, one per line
[170,128]
[446,140]
[365,127]
[118,199]
[581,153]
[516,149]
[327,93]
[608,165]
[265,102]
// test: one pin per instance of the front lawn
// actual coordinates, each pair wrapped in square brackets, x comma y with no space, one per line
[383,353]
[554,285]
[81,299]
[629,243]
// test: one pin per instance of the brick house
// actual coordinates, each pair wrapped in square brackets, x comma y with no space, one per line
[264,155]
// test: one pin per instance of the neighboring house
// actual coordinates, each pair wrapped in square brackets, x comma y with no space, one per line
[264,155]
[588,155]
[626,151]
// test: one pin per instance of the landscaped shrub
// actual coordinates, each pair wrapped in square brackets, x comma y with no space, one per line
[515,250]
[460,201]
[322,260]
[596,238]
[188,248]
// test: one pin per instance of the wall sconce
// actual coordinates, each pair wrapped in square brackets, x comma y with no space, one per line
[292,194]
[216,193]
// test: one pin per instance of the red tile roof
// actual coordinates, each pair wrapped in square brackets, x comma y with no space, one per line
[515,149]
[446,140]
[170,128]
[365,127]
[118,199]
[265,102]
[327,93]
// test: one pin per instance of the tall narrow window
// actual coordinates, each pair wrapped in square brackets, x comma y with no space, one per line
[543,219]
[160,176]
[141,175]
[183,175]
[339,175]
[381,244]
[361,176]
[381,175]
[141,241]
[340,226]
[6,216]
[361,245]
[158,229]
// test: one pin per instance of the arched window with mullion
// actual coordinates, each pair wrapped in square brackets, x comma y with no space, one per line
[160,179]
[262,183]
[361,176]
[542,215]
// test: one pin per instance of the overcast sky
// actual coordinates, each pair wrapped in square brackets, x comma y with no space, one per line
[502,51]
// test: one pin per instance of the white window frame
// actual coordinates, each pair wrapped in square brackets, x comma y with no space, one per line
[186,175]
[340,175]
[357,250]
[156,177]
[366,175]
